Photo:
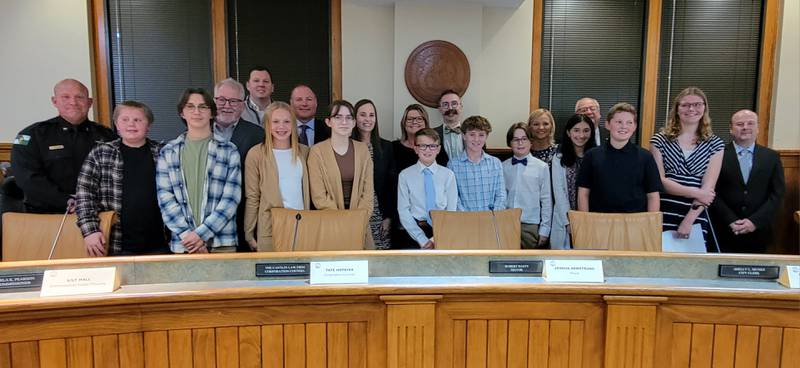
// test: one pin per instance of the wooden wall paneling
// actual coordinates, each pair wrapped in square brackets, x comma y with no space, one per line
[724,351]
[518,343]
[558,354]
[25,354]
[536,53]
[294,345]
[250,347]
[227,346]
[476,343]
[770,28]
[336,49]
[79,352]
[357,346]
[203,348]
[5,356]
[101,67]
[539,343]
[131,350]
[219,40]
[576,340]
[337,345]
[790,353]
[787,231]
[459,344]
[316,345]
[497,344]
[647,121]
[702,342]
[746,346]
[769,347]
[156,349]
[53,353]
[631,331]
[180,349]
[106,351]
[272,351]
[411,324]
[681,336]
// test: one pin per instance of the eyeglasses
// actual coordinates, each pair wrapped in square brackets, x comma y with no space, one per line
[696,105]
[520,140]
[416,119]
[340,118]
[427,147]
[587,108]
[221,101]
[452,104]
[201,107]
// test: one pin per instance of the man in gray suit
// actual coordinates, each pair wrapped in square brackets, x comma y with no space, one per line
[229,125]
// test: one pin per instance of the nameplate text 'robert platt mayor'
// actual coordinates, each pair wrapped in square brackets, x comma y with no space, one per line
[573,271]
[80,281]
[339,272]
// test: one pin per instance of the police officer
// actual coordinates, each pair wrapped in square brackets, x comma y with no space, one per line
[47,156]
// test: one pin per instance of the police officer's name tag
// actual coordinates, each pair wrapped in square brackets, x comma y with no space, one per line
[80,281]
[573,271]
[790,277]
[339,272]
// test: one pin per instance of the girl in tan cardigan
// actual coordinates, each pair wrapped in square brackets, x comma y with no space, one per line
[339,168]
[276,176]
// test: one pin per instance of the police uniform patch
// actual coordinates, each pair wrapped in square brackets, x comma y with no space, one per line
[22,139]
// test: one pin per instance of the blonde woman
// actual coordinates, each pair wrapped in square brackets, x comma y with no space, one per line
[340,168]
[689,159]
[276,176]
[542,128]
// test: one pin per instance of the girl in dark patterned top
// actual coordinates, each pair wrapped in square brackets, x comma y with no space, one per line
[542,127]
[689,158]
[578,137]
[385,178]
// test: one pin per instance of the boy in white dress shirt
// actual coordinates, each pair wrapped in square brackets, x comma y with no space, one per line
[528,185]
[423,187]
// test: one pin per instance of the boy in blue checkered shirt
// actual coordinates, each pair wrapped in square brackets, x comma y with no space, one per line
[479,176]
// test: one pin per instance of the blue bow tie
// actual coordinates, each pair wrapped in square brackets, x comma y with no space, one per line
[524,161]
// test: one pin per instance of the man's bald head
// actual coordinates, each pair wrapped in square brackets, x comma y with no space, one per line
[744,127]
[71,99]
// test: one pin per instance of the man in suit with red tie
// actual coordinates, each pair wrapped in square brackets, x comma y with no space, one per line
[749,189]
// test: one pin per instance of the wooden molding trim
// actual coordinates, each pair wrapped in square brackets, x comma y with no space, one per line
[651,63]
[5,152]
[336,49]
[219,41]
[536,53]
[101,80]
[634,299]
[769,40]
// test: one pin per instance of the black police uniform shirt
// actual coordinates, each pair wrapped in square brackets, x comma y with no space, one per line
[46,158]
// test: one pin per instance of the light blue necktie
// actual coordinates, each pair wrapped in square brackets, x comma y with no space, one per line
[430,194]
[745,164]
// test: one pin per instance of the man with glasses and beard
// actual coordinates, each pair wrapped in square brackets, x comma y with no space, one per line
[229,126]
[450,107]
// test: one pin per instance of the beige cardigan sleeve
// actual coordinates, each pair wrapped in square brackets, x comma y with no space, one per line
[367,200]
[319,186]
[252,190]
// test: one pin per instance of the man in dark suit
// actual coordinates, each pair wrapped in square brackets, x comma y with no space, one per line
[309,129]
[229,98]
[452,142]
[749,189]
[590,107]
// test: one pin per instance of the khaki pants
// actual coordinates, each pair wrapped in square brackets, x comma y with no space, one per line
[530,236]
[230,249]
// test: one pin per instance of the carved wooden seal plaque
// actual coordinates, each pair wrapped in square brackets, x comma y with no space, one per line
[432,68]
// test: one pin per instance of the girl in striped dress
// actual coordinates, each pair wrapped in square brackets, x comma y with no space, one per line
[689,158]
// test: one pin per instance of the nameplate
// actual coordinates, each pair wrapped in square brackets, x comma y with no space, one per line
[573,271]
[339,272]
[80,281]
[282,269]
[12,282]
[515,266]
[749,271]
[790,277]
